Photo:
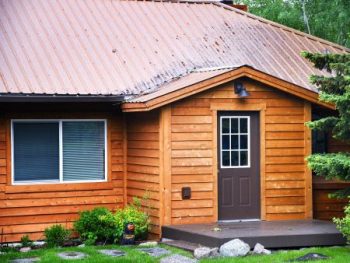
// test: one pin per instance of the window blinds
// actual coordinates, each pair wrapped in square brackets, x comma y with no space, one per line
[83,150]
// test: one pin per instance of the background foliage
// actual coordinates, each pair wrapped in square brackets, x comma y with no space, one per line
[326,19]
[334,89]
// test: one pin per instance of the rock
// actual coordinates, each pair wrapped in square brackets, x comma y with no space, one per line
[25,260]
[155,251]
[71,255]
[112,252]
[25,249]
[148,244]
[205,252]
[309,257]
[81,245]
[234,248]
[176,258]
[166,239]
[14,244]
[39,243]
[260,249]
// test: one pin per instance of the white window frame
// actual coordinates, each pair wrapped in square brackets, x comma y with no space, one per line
[222,166]
[60,181]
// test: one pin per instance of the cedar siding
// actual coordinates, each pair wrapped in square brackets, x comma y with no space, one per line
[326,208]
[143,163]
[29,209]
[193,153]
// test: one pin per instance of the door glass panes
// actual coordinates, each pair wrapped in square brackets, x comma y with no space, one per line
[234,141]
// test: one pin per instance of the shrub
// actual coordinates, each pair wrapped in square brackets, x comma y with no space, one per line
[343,224]
[132,213]
[56,235]
[96,225]
[26,242]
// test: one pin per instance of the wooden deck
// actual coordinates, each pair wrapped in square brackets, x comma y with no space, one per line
[272,234]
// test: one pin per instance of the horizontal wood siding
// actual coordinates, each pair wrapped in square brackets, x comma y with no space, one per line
[324,207]
[193,157]
[29,209]
[143,163]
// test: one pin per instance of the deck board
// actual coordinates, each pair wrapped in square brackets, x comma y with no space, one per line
[272,234]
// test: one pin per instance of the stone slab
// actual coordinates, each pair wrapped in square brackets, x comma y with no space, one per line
[112,252]
[71,255]
[155,251]
[176,258]
[25,260]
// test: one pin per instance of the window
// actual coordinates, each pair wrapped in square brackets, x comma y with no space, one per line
[58,151]
[234,141]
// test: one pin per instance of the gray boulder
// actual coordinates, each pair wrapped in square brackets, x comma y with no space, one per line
[205,252]
[25,249]
[261,250]
[234,248]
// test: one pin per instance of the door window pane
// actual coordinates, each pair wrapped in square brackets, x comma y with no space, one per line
[243,125]
[234,125]
[234,141]
[243,158]
[225,125]
[243,142]
[226,142]
[234,158]
[225,158]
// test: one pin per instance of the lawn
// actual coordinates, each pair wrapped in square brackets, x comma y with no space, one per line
[336,254]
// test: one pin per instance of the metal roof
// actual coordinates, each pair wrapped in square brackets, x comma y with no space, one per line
[189,79]
[111,47]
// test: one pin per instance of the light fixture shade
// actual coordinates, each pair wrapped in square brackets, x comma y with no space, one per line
[240,90]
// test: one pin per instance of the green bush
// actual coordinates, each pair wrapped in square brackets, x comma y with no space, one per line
[343,224]
[26,242]
[56,235]
[134,214]
[96,225]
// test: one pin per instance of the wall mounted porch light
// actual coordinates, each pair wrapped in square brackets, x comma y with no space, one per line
[240,90]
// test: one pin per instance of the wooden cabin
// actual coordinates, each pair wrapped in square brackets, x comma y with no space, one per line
[199,105]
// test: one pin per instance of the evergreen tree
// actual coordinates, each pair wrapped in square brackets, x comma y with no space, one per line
[335,89]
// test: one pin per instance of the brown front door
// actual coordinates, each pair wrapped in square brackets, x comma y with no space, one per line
[239,162]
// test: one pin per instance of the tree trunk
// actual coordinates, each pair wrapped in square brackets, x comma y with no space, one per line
[306,19]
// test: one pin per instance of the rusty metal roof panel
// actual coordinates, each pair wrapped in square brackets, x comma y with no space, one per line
[112,47]
[181,82]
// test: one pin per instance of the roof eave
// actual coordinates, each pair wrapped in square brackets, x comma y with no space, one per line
[37,98]
[244,71]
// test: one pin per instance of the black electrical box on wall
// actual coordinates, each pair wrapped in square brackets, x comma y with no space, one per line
[186,192]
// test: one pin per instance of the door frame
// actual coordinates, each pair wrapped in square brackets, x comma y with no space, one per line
[239,107]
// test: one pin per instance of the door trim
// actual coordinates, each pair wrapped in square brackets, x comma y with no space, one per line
[237,106]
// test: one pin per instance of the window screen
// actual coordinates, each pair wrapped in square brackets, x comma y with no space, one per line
[83,151]
[36,151]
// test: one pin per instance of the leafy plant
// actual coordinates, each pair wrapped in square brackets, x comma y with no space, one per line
[26,242]
[56,235]
[132,213]
[96,225]
[343,224]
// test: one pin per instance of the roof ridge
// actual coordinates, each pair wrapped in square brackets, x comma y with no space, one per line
[290,29]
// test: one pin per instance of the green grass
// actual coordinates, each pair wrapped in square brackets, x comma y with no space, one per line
[336,254]
[50,255]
